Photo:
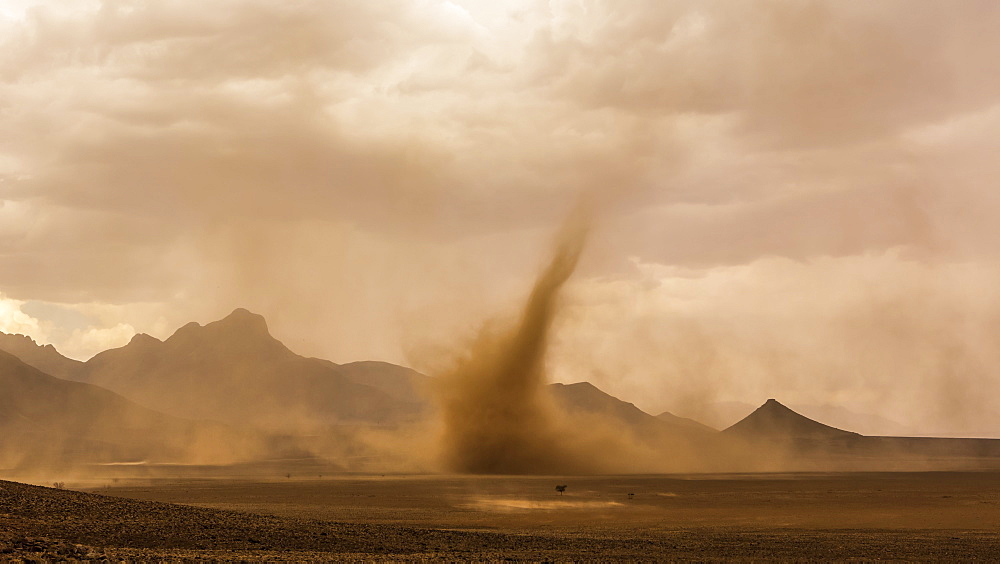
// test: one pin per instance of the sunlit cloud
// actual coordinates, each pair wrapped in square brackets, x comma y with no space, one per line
[15,321]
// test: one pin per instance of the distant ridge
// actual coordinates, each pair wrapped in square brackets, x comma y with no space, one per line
[43,357]
[775,421]
[685,422]
[233,370]
[47,420]
[587,398]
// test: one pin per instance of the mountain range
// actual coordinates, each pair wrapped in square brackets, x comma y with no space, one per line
[46,420]
[234,371]
[233,377]
[43,357]
[229,391]
[777,422]
[723,414]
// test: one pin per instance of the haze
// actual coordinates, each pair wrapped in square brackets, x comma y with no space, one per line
[796,199]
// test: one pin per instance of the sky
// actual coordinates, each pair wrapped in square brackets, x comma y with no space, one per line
[793,199]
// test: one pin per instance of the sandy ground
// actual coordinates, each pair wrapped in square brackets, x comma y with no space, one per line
[943,516]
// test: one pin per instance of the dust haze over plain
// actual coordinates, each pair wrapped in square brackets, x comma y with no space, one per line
[798,197]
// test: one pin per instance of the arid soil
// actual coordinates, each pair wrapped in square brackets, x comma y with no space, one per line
[895,516]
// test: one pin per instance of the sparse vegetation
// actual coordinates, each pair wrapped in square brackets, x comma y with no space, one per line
[59,485]
[561,489]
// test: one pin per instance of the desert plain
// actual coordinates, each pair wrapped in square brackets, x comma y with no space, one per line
[909,516]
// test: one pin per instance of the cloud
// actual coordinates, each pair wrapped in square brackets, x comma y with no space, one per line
[80,330]
[802,73]
[433,121]
[364,174]
[908,339]
[15,321]
[85,343]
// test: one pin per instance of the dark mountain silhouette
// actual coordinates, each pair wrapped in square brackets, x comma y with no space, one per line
[632,438]
[719,414]
[684,422]
[808,444]
[723,414]
[775,421]
[43,357]
[234,371]
[48,421]
[398,381]
[584,397]
[864,423]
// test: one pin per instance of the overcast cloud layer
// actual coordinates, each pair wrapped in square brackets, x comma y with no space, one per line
[799,198]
